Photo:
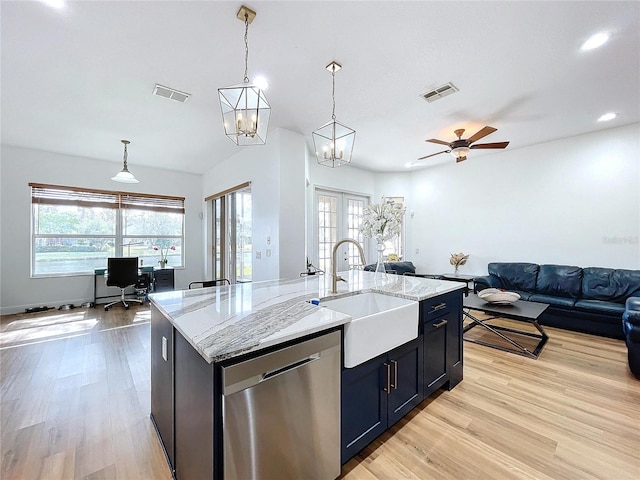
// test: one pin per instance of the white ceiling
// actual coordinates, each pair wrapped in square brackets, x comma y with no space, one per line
[79,79]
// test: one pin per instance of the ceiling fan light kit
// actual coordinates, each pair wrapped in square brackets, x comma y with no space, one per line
[245,109]
[333,141]
[124,175]
[461,147]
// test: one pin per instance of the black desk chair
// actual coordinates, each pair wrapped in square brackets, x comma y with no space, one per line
[122,272]
[209,283]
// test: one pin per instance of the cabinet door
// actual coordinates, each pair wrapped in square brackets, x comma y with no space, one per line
[454,341]
[435,353]
[194,414]
[406,379]
[162,381]
[363,405]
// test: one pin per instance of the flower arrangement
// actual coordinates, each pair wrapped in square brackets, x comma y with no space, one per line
[458,259]
[381,221]
[163,254]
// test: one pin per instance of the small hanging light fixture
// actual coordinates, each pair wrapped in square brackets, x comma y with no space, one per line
[125,176]
[334,141]
[245,109]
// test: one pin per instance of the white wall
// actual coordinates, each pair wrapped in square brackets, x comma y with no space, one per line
[574,201]
[19,166]
[276,172]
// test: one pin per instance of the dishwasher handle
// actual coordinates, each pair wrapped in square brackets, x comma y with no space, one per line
[292,366]
[243,375]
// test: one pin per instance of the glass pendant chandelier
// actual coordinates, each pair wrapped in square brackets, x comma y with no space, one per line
[245,109]
[333,141]
[125,176]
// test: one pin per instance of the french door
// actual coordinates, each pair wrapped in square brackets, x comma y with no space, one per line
[338,216]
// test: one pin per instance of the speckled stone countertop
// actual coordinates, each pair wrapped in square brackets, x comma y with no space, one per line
[223,322]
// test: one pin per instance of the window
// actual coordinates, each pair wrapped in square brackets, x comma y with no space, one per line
[74,230]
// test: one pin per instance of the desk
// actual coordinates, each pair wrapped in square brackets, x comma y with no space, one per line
[145,276]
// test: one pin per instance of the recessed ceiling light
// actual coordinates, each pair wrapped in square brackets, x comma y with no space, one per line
[595,41]
[607,116]
[57,4]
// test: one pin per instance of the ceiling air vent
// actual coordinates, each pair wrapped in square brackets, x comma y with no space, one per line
[438,93]
[171,93]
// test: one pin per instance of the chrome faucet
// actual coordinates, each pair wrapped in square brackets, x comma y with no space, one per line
[334,276]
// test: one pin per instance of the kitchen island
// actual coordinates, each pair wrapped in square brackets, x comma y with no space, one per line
[196,333]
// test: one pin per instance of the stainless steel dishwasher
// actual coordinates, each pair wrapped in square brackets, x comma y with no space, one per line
[281,413]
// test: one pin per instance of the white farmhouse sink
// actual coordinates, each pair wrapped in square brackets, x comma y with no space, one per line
[378,324]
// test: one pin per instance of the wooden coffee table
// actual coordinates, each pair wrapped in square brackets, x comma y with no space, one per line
[520,310]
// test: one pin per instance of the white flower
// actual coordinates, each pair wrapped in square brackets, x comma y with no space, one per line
[381,221]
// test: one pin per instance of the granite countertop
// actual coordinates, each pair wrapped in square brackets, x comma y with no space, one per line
[224,322]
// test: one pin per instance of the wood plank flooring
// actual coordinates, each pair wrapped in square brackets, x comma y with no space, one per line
[75,397]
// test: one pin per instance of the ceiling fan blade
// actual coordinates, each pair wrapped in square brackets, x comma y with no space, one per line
[434,154]
[460,159]
[435,140]
[491,145]
[482,133]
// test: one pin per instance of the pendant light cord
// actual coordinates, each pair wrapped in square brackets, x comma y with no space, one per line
[333,92]
[125,156]
[246,47]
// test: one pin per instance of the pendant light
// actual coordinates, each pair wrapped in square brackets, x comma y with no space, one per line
[245,109]
[125,176]
[334,141]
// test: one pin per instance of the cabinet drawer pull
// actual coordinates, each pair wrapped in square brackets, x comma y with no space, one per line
[395,374]
[387,388]
[440,306]
[440,324]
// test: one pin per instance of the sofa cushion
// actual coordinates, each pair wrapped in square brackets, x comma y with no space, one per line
[553,300]
[559,281]
[609,284]
[515,276]
[609,308]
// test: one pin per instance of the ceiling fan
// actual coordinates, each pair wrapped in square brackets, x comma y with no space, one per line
[460,148]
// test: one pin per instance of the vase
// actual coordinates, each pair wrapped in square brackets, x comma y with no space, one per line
[380,270]
[455,272]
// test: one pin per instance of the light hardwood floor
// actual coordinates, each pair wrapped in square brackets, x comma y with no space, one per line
[75,398]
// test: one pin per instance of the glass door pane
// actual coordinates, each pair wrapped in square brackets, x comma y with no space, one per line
[243,243]
[327,229]
[232,243]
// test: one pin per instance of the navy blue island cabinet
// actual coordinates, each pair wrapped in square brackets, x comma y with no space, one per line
[379,392]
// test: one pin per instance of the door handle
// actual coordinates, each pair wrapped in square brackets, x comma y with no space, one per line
[395,374]
[387,388]
[165,349]
[440,324]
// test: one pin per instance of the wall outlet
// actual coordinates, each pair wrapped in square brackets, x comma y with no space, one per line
[417,251]
[258,255]
[268,252]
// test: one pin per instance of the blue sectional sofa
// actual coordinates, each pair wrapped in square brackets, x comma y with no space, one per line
[589,300]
